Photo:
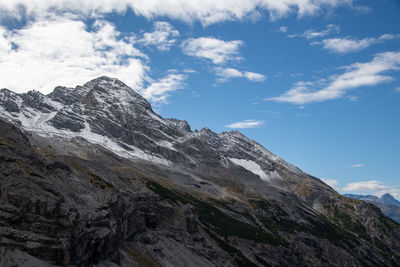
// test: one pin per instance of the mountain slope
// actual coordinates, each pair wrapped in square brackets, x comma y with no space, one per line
[387,203]
[92,176]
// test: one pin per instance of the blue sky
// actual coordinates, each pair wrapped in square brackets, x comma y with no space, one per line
[315,82]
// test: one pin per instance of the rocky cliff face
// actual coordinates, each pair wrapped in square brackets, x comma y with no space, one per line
[91,176]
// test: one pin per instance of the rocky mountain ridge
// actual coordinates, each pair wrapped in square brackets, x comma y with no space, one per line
[107,112]
[92,176]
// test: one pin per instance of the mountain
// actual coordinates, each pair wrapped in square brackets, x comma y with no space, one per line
[385,199]
[368,198]
[92,176]
[387,203]
[389,199]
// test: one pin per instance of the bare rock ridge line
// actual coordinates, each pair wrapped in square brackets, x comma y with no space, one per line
[107,112]
[92,176]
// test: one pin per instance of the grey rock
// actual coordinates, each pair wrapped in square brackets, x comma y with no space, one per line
[8,100]
[69,118]
[37,100]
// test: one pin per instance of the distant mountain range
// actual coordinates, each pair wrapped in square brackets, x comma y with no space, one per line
[92,176]
[387,203]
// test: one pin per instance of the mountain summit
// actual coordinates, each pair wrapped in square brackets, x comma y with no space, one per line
[92,176]
[105,111]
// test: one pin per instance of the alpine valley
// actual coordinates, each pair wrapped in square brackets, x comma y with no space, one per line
[92,176]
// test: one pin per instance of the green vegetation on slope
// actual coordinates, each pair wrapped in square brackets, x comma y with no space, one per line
[320,226]
[220,223]
[343,232]
[99,182]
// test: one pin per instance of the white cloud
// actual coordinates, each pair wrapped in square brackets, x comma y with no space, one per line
[245,124]
[346,45]
[394,191]
[158,91]
[255,77]
[283,28]
[225,74]
[331,182]
[60,51]
[372,185]
[397,90]
[356,75]
[385,37]
[309,34]
[216,50]
[205,11]
[357,165]
[163,36]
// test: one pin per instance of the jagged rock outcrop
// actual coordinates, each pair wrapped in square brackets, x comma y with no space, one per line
[92,176]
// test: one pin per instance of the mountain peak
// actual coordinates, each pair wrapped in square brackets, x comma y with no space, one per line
[387,196]
[115,91]
[107,82]
[106,111]
[103,78]
[236,134]
[389,199]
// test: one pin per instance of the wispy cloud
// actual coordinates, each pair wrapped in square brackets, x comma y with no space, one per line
[207,12]
[255,77]
[283,28]
[163,36]
[357,165]
[216,50]
[310,34]
[220,52]
[336,86]
[397,89]
[245,124]
[352,98]
[347,45]
[225,74]
[303,115]
[62,51]
[158,91]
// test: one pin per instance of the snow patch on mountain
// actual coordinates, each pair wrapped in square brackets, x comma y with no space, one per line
[34,120]
[166,144]
[252,167]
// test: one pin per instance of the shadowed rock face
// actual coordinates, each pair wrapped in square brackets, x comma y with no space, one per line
[92,176]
